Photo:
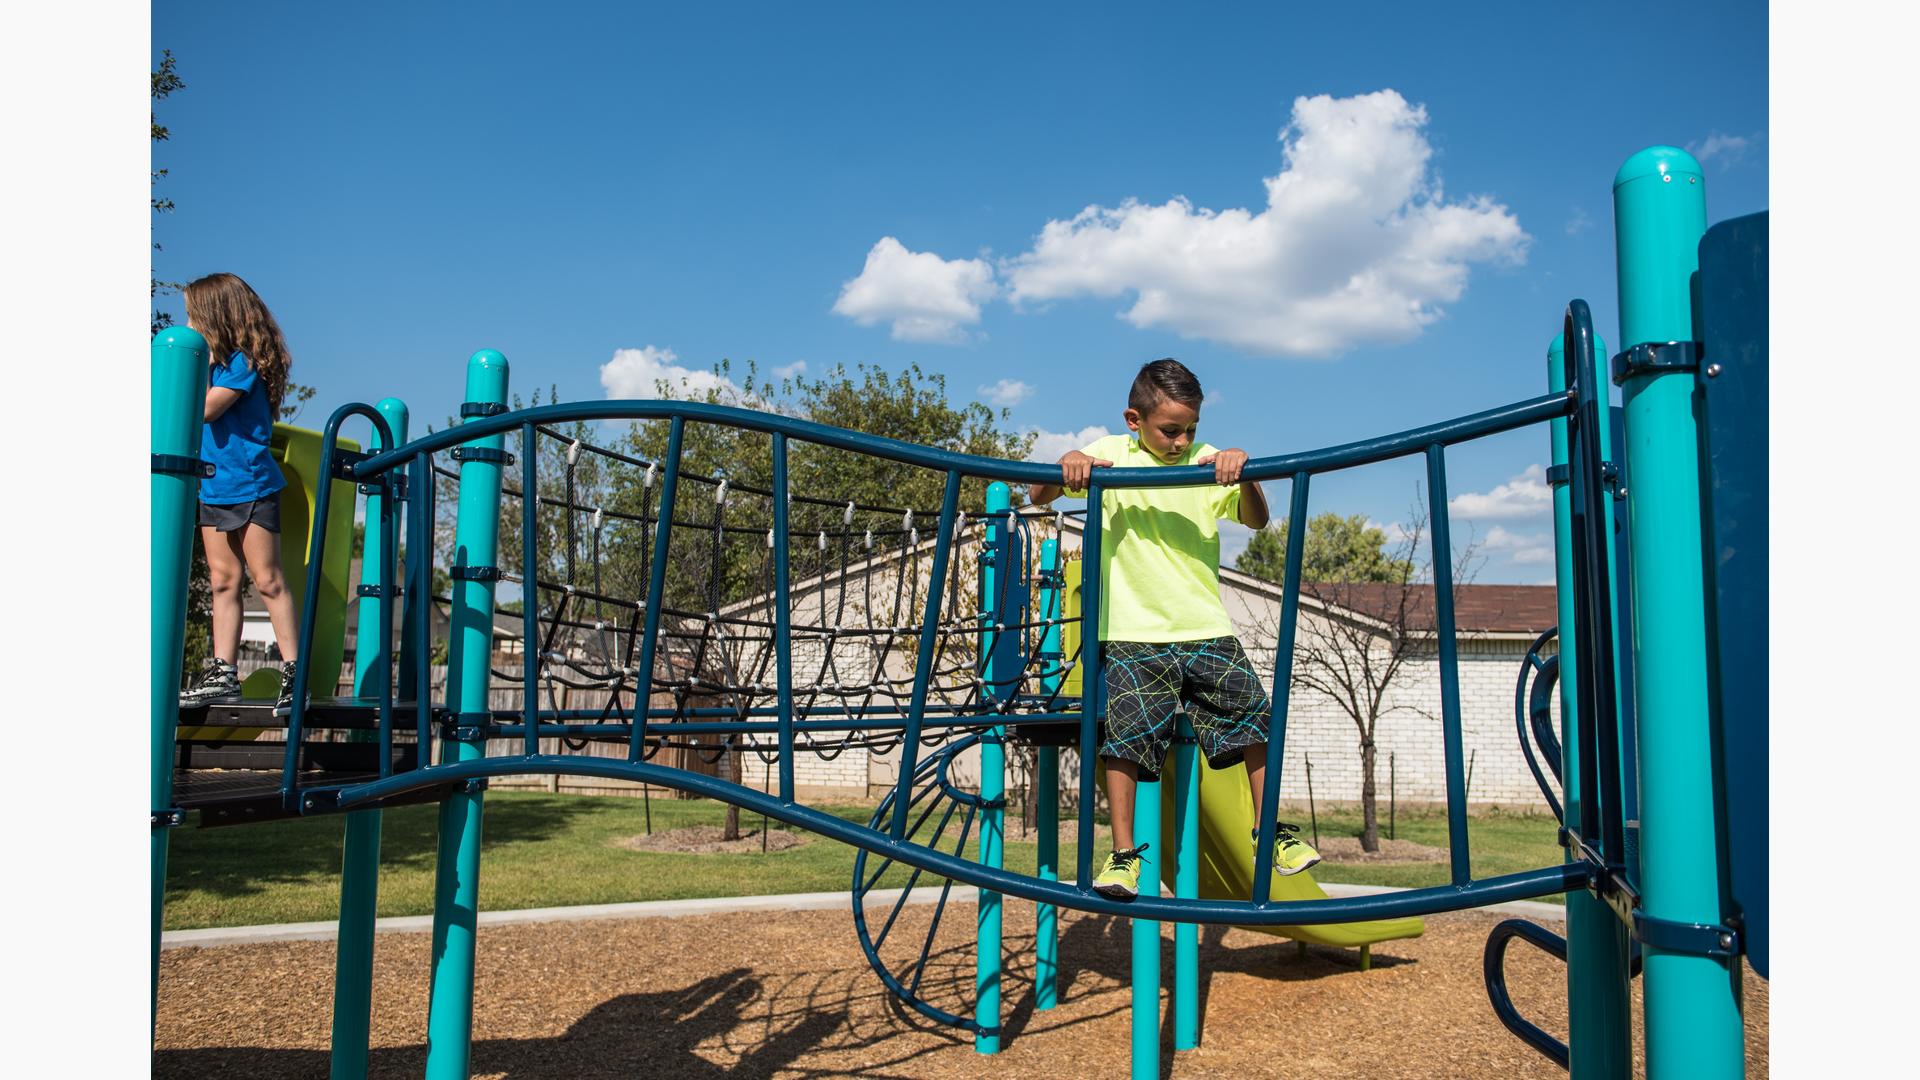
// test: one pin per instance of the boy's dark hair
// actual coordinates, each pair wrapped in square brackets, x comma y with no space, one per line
[1164,380]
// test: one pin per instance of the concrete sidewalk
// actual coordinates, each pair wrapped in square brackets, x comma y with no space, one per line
[668,909]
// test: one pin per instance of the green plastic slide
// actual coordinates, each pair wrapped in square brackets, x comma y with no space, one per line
[1226,861]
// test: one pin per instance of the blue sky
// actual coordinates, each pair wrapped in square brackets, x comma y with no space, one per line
[1347,224]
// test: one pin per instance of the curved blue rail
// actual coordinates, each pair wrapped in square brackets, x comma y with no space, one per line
[1497,890]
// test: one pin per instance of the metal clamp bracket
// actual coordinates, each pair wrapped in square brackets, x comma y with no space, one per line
[1693,939]
[393,483]
[474,573]
[1559,475]
[344,462]
[168,818]
[375,590]
[181,465]
[467,727]
[469,409]
[1655,358]
[486,454]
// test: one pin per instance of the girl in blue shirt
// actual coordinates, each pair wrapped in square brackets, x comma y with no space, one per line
[240,502]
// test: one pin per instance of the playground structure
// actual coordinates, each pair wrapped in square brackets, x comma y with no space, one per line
[1661,760]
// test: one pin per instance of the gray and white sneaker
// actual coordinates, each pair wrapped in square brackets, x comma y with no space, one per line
[219,684]
[284,705]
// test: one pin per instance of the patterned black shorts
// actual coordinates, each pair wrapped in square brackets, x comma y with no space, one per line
[1212,680]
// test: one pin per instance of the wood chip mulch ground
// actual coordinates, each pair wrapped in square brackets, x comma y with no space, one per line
[754,995]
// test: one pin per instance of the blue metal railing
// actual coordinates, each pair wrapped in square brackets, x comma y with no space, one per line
[921,715]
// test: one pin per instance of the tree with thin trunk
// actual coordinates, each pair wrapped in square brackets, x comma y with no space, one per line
[1376,617]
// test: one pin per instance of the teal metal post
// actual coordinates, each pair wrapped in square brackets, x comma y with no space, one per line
[1046,918]
[456,890]
[1693,1021]
[1146,936]
[1600,1034]
[178,366]
[1186,885]
[993,782]
[360,860]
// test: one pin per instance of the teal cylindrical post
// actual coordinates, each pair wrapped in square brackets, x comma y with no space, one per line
[456,890]
[993,780]
[360,856]
[1046,919]
[178,366]
[1146,936]
[1600,1034]
[1693,1017]
[1186,886]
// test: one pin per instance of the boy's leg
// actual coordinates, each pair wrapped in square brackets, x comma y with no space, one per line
[1256,756]
[1123,779]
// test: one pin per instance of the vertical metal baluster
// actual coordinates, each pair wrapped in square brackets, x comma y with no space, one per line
[1269,808]
[923,667]
[783,644]
[1460,856]
[1089,679]
[530,585]
[656,592]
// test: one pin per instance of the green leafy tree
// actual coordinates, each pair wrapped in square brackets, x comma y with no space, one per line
[165,81]
[1336,549]
[1374,616]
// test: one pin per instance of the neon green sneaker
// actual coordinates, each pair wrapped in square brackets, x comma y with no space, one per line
[1290,853]
[1120,880]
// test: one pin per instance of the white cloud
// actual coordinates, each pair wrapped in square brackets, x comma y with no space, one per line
[637,373]
[925,297]
[1526,495]
[1007,392]
[1357,244]
[1050,446]
[1522,548]
[788,371]
[1579,222]
[1728,150]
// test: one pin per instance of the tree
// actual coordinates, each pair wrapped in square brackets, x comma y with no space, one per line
[1376,616]
[165,82]
[1336,549]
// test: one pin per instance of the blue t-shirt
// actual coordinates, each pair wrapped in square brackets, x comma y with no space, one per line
[239,440]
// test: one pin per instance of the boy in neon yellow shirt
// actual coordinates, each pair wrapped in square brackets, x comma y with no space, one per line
[1168,644]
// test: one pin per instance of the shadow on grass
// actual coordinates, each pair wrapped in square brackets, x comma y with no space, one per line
[243,860]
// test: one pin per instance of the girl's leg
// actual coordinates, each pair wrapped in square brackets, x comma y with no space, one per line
[263,562]
[223,570]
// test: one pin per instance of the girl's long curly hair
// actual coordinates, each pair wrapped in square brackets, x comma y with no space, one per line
[233,319]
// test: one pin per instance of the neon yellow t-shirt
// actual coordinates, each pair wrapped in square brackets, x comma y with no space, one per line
[1160,551]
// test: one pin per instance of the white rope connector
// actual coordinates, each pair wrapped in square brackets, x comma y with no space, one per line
[868,541]
[568,587]
[599,624]
[823,539]
[769,539]
[720,493]
[846,518]
[913,537]
[599,518]
[647,480]
[573,452]
[906,522]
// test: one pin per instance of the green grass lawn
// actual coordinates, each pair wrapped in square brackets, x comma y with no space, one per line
[558,850]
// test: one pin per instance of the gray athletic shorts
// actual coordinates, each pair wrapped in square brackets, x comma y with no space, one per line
[262,512]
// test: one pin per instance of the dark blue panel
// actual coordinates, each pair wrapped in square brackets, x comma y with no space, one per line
[1732,324]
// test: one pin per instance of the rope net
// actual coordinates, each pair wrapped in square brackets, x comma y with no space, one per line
[860,583]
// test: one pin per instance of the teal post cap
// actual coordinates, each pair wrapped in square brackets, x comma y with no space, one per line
[180,337]
[1657,161]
